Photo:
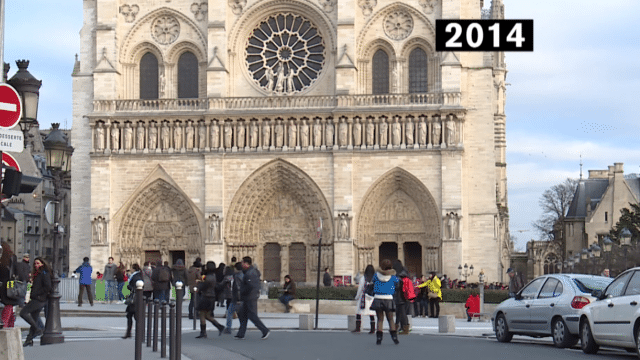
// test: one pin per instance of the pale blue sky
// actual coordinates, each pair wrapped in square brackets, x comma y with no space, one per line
[575,94]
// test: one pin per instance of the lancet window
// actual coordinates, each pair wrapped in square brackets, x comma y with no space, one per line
[418,71]
[380,71]
[187,76]
[149,76]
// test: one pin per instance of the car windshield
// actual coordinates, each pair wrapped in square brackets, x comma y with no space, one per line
[589,284]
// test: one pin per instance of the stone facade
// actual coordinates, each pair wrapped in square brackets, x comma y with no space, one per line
[289,126]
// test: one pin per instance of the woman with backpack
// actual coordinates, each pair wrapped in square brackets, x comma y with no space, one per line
[207,300]
[363,301]
[384,287]
[147,272]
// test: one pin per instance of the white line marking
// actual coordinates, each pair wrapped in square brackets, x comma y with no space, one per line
[8,107]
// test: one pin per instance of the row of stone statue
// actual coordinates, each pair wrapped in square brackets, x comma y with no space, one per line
[399,132]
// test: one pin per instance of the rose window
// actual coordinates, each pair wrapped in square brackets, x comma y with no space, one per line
[285,54]
[398,25]
[165,29]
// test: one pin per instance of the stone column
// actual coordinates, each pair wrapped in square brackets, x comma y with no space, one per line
[284,261]
[401,251]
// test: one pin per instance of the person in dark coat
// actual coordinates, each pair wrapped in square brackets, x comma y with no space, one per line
[23,269]
[193,276]
[207,300]
[219,278]
[131,308]
[289,293]
[120,275]
[40,290]
[7,261]
[179,273]
[160,287]
[249,293]
[235,296]
[326,278]
[402,305]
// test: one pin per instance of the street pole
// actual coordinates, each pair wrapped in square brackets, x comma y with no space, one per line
[319,234]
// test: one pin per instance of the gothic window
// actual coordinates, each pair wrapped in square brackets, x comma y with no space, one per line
[188,76]
[380,71]
[550,264]
[418,71]
[149,76]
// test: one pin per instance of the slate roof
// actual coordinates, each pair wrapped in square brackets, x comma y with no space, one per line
[594,189]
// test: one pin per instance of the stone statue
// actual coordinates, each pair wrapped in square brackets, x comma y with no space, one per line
[99,137]
[317,134]
[266,135]
[177,136]
[228,132]
[293,129]
[215,135]
[140,136]
[304,134]
[343,129]
[153,136]
[99,231]
[370,133]
[213,230]
[422,133]
[452,224]
[163,84]
[240,136]
[164,135]
[329,133]
[383,132]
[395,132]
[279,135]
[188,134]
[270,75]
[451,132]
[436,132]
[357,133]
[290,86]
[202,136]
[280,81]
[409,132]
[128,137]
[115,137]
[344,228]
[253,135]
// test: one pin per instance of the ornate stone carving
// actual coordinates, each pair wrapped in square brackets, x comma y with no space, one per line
[115,137]
[228,132]
[99,137]
[329,133]
[367,6]
[357,132]
[342,224]
[240,135]
[140,136]
[129,12]
[293,131]
[214,230]
[428,5]
[398,25]
[253,135]
[165,29]
[177,136]
[327,5]
[408,129]
[237,6]
[422,133]
[452,222]
[199,10]
[304,134]
[214,142]
[202,135]
[437,128]
[384,130]
[153,136]
[279,134]
[128,136]
[395,132]
[165,136]
[343,131]
[451,132]
[266,135]
[370,132]
[99,226]
[189,136]
[317,134]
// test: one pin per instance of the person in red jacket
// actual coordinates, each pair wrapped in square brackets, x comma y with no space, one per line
[472,305]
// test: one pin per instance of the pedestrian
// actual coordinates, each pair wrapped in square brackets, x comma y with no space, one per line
[605,273]
[235,296]
[109,277]
[131,304]
[146,273]
[219,278]
[161,278]
[326,278]
[40,290]
[424,297]
[444,281]
[7,262]
[515,283]
[179,273]
[249,293]
[363,301]
[434,293]
[85,270]
[120,279]
[206,300]
[385,283]
[472,305]
[193,276]
[288,294]
[22,269]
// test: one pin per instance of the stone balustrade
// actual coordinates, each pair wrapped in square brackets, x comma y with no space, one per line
[122,136]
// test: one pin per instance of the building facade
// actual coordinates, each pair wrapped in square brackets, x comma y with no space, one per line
[221,129]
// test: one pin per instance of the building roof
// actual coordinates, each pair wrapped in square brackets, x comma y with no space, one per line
[14,211]
[593,190]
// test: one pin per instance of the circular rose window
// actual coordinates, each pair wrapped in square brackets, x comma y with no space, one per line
[285,54]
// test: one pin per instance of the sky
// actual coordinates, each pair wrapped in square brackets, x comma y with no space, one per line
[574,98]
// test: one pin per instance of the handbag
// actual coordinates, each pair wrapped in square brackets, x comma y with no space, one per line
[16,289]
[432,295]
[130,299]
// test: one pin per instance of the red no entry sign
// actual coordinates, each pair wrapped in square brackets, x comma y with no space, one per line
[10,106]
[8,160]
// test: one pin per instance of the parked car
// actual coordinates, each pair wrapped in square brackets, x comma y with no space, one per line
[614,318]
[547,306]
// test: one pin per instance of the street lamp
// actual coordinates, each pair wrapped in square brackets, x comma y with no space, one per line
[468,271]
[29,89]
[606,245]
[58,153]
[625,242]
[595,252]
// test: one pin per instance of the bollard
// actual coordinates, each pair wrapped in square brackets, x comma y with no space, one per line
[195,305]
[139,319]
[179,296]
[149,318]
[163,333]
[172,331]
[156,312]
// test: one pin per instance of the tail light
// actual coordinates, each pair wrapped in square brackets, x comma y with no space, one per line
[579,302]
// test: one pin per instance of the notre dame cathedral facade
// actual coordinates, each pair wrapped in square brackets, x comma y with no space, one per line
[229,128]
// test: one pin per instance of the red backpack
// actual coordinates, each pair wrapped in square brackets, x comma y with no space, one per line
[407,289]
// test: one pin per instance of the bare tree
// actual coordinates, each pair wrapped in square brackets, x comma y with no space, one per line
[555,203]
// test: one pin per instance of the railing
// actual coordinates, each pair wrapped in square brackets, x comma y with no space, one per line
[449,99]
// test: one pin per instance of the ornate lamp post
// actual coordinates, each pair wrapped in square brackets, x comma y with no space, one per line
[606,246]
[29,89]
[595,252]
[58,162]
[576,259]
[584,255]
[468,271]
[625,242]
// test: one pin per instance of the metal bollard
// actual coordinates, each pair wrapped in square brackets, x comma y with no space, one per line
[179,296]
[172,331]
[139,319]
[195,306]
[156,312]
[163,333]
[149,318]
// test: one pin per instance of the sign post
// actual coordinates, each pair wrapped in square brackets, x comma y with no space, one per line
[319,235]
[10,106]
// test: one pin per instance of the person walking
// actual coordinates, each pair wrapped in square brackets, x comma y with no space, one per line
[85,270]
[249,293]
[131,306]
[40,290]
[120,279]
[402,303]
[424,297]
[384,287]
[179,273]
[207,300]
[161,278]
[193,276]
[235,296]
[363,301]
[515,283]
[146,273]
[109,277]
[289,293]
[326,278]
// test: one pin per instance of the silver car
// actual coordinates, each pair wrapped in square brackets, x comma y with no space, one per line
[547,306]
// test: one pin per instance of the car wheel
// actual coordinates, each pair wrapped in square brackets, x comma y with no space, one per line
[502,329]
[587,343]
[562,338]
[638,342]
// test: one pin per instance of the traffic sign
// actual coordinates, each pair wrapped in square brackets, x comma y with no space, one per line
[8,160]
[10,106]
[11,140]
